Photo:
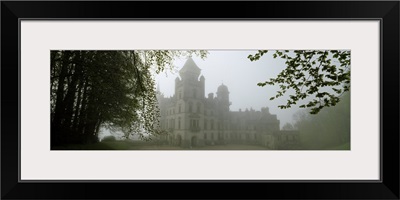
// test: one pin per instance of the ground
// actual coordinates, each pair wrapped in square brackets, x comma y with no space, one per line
[141,145]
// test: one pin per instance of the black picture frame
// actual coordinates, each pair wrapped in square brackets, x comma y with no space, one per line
[386,11]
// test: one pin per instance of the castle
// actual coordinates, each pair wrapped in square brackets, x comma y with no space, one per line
[192,119]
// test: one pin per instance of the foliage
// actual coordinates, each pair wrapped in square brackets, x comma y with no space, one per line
[322,75]
[113,89]
[109,138]
[330,129]
[288,127]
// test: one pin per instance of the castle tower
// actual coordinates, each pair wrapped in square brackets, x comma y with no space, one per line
[223,109]
[189,86]
[223,97]
[189,91]
[189,71]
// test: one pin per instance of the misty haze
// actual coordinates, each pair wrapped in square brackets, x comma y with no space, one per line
[200,100]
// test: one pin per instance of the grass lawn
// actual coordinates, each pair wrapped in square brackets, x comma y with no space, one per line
[340,147]
[141,145]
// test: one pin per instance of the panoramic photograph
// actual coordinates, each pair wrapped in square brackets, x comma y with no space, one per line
[200,99]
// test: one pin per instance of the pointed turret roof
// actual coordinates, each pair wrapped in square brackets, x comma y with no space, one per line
[190,66]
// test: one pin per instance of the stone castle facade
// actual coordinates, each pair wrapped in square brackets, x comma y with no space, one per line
[192,119]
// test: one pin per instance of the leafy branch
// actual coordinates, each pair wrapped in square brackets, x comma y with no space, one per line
[322,75]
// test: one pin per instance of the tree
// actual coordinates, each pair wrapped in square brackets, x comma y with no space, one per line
[322,75]
[115,89]
[288,127]
[327,130]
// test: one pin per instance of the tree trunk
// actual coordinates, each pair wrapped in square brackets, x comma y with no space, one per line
[70,97]
[78,107]
[82,113]
[59,110]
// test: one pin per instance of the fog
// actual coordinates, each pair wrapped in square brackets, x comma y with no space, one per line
[233,69]
[93,107]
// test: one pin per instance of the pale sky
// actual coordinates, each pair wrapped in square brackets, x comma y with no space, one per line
[240,75]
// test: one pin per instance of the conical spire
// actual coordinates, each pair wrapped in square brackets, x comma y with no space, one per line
[190,67]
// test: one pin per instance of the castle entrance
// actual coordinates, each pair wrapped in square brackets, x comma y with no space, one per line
[194,141]
[178,140]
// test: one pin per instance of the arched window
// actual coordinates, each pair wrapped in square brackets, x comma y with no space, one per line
[179,123]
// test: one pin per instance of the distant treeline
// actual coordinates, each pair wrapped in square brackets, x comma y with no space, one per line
[329,129]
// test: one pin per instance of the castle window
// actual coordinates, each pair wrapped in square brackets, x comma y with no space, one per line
[180,95]
[212,135]
[180,109]
[194,123]
[195,93]
[205,124]
[212,124]
[198,107]
[205,136]
[190,107]
[179,123]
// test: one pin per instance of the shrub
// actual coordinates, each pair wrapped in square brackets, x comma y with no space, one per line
[109,138]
